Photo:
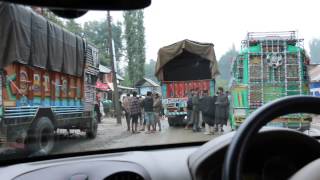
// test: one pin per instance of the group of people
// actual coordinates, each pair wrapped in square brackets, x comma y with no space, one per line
[147,110]
[212,110]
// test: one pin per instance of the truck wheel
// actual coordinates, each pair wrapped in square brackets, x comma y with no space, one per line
[171,121]
[92,130]
[41,137]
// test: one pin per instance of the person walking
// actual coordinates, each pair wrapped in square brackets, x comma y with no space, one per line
[195,111]
[142,116]
[97,108]
[134,112]
[126,106]
[101,107]
[157,105]
[200,112]
[221,109]
[207,107]
[231,121]
[148,112]
[189,110]
[140,112]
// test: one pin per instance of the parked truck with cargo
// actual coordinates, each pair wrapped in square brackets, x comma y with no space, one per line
[47,81]
[269,66]
[182,67]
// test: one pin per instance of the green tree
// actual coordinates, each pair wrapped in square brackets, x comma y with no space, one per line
[315,51]
[96,33]
[225,63]
[149,69]
[135,44]
[73,26]
[52,17]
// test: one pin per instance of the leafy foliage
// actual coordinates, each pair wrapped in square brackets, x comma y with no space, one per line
[315,51]
[74,27]
[135,44]
[52,17]
[225,63]
[149,69]
[96,33]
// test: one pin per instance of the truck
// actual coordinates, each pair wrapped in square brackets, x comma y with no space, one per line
[47,81]
[269,66]
[181,67]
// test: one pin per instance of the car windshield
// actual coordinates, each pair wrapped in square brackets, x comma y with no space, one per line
[175,72]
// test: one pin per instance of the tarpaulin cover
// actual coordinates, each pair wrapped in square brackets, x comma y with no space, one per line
[28,38]
[186,60]
[69,53]
[15,34]
[39,41]
[55,47]
[80,55]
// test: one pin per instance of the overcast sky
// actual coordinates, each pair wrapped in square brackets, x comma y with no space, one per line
[221,22]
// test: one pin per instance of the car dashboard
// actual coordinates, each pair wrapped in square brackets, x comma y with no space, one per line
[274,154]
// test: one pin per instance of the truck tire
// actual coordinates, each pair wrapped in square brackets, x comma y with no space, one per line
[92,130]
[41,137]
[171,121]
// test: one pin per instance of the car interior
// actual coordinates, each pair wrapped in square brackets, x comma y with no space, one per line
[251,152]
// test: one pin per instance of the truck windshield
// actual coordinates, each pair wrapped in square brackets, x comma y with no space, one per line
[171,73]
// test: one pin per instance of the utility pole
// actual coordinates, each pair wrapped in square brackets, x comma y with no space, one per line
[113,71]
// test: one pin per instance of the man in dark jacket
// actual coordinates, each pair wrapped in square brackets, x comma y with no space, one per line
[157,106]
[195,111]
[207,107]
[134,109]
[189,110]
[222,109]
[148,112]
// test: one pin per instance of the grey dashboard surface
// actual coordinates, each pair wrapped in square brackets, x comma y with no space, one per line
[156,164]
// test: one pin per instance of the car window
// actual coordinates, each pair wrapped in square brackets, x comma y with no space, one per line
[175,72]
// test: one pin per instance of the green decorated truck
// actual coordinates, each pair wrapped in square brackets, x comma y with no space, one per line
[270,65]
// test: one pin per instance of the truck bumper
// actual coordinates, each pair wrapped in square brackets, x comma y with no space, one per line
[291,123]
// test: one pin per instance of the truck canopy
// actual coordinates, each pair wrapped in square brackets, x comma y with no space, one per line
[186,60]
[28,38]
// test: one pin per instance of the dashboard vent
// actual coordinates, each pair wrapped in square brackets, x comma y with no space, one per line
[125,176]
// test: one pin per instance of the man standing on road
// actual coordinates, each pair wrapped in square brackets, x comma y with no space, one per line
[142,116]
[148,112]
[207,106]
[134,112]
[195,111]
[157,105]
[222,109]
[97,108]
[125,105]
[189,110]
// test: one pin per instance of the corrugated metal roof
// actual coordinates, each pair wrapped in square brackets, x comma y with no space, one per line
[124,87]
[142,81]
[120,78]
[104,69]
[151,82]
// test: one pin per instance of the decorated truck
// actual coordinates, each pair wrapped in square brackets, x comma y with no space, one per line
[270,65]
[182,67]
[47,81]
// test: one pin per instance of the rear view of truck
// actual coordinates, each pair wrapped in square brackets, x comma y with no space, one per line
[182,67]
[270,65]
